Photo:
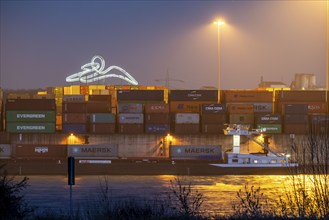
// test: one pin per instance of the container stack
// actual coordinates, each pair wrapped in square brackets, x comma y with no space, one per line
[213,118]
[131,109]
[185,108]
[157,118]
[269,123]
[296,119]
[1,110]
[74,116]
[58,92]
[30,115]
[243,105]
[101,120]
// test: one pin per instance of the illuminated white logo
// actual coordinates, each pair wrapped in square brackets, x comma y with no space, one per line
[94,71]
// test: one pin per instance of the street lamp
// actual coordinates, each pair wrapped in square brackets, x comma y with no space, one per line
[218,23]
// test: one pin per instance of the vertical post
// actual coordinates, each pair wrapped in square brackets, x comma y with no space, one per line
[70,180]
[327,58]
[218,51]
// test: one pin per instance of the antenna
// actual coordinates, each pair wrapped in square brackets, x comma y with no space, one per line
[167,80]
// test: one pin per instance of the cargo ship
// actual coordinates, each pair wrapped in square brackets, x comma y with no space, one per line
[140,130]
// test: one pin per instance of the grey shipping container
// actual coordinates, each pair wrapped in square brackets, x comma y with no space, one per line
[74,98]
[187,118]
[131,118]
[102,118]
[295,109]
[266,107]
[193,95]
[130,108]
[190,152]
[268,118]
[213,109]
[140,95]
[5,151]
[74,128]
[157,128]
[93,151]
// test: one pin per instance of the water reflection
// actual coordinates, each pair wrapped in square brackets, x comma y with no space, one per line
[52,192]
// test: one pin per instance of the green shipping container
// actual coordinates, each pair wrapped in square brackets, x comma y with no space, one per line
[30,116]
[108,118]
[270,128]
[15,127]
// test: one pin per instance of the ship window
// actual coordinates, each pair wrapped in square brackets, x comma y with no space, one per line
[255,161]
[273,161]
[282,161]
[246,160]
[235,160]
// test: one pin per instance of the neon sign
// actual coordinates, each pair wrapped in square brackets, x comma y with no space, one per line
[94,71]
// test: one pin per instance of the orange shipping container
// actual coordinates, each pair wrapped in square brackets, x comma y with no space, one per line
[74,118]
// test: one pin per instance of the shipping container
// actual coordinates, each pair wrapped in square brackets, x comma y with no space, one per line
[212,128]
[239,108]
[186,128]
[4,137]
[296,129]
[157,118]
[301,96]
[312,107]
[130,118]
[43,96]
[318,119]
[248,96]
[213,118]
[74,98]
[157,128]
[270,128]
[40,151]
[185,107]
[130,108]
[98,107]
[103,128]
[30,104]
[213,109]
[187,118]
[156,108]
[72,118]
[295,109]
[296,119]
[74,128]
[263,107]
[200,152]
[131,128]
[5,151]
[241,119]
[84,89]
[140,95]
[30,116]
[20,127]
[268,119]
[193,95]
[100,98]
[99,151]
[102,118]
[74,107]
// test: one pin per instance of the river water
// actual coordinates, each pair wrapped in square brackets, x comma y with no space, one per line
[51,193]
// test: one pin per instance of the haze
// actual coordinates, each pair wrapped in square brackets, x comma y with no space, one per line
[44,42]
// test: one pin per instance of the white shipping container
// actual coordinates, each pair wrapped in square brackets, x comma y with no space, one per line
[187,118]
[131,118]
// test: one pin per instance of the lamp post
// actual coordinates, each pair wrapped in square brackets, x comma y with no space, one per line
[218,23]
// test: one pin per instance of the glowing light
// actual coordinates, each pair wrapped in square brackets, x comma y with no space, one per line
[219,22]
[94,71]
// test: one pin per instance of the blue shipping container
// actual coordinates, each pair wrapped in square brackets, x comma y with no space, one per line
[157,128]
[74,128]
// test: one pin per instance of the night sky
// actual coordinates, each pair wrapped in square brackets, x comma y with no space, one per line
[43,42]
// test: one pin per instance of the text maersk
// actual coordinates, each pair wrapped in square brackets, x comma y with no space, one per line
[31,127]
[200,150]
[96,150]
[31,116]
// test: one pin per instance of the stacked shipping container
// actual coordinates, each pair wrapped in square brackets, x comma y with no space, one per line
[185,108]
[213,118]
[30,115]
[157,118]
[74,114]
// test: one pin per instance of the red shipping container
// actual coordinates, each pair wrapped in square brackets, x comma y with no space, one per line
[74,118]
[131,128]
[102,128]
[41,151]
[187,128]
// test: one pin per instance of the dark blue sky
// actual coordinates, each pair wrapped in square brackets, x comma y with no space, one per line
[42,42]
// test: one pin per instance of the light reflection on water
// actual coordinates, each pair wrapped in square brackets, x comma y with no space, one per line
[52,192]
